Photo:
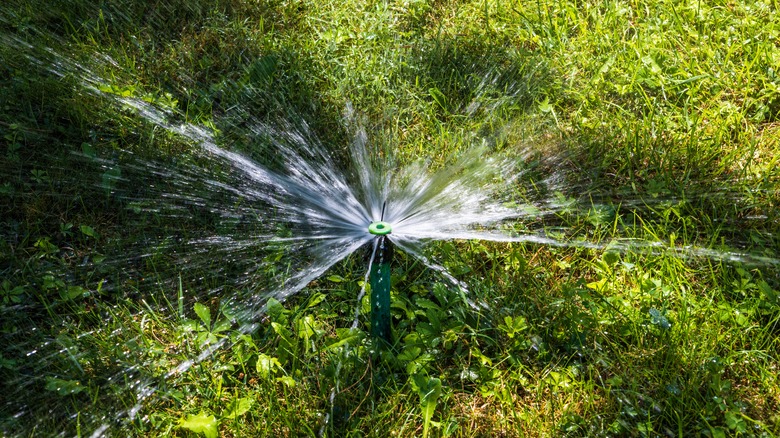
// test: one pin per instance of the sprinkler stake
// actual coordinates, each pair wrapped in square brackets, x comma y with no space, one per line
[380,290]
[380,280]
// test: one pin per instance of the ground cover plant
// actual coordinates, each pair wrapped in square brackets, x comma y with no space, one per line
[652,122]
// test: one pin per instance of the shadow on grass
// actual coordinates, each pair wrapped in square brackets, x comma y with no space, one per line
[472,77]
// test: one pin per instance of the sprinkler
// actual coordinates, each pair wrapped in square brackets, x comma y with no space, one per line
[380,228]
[380,280]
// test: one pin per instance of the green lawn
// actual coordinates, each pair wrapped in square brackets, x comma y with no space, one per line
[651,128]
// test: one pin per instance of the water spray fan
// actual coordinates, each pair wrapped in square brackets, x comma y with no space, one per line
[379,280]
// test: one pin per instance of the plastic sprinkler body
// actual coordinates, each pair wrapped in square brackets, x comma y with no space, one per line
[379,280]
[380,228]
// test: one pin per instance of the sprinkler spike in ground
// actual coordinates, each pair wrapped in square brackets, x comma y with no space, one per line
[380,289]
[380,279]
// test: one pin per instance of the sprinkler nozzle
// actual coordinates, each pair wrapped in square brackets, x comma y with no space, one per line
[380,228]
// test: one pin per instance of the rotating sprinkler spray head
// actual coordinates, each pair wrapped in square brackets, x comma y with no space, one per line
[380,228]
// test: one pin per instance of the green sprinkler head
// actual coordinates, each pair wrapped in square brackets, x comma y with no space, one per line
[380,228]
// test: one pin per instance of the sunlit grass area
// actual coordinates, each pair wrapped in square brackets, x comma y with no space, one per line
[652,127]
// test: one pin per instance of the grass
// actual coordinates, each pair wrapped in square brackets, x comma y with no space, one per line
[658,119]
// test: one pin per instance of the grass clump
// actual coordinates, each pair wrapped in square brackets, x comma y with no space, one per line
[653,122]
